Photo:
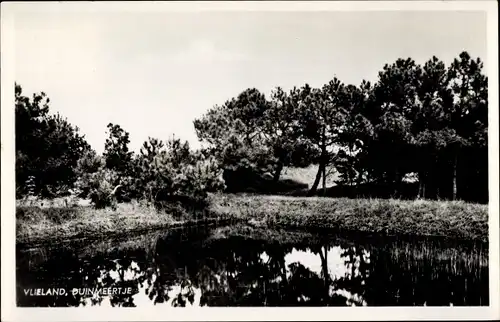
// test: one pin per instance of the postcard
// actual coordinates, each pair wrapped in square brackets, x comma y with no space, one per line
[249,160]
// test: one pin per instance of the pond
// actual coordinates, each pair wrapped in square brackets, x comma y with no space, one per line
[248,266]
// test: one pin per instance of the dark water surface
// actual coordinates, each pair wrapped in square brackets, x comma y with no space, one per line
[244,266]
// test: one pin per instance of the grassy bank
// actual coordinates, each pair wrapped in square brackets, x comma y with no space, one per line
[38,224]
[42,223]
[391,217]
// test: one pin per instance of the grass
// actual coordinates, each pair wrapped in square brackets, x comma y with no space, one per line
[37,223]
[293,182]
[307,175]
[453,219]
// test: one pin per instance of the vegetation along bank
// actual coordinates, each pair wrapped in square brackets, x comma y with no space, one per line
[419,132]
[452,219]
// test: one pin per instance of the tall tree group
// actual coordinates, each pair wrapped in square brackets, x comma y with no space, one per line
[428,121]
[48,147]
[53,159]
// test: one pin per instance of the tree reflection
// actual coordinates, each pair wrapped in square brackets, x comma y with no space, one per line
[184,268]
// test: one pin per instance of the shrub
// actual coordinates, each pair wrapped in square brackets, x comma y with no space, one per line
[100,187]
[158,175]
[177,172]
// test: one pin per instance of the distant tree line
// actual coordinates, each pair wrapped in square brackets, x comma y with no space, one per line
[429,122]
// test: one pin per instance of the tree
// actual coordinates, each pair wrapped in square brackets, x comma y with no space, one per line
[391,113]
[322,117]
[430,120]
[165,171]
[252,136]
[281,131]
[151,148]
[452,125]
[116,152]
[431,126]
[469,118]
[357,135]
[48,147]
[142,168]
[234,135]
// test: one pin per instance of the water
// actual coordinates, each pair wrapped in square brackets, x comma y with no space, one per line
[244,266]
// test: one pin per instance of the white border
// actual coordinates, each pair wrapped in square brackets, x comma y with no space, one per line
[190,6]
[10,312]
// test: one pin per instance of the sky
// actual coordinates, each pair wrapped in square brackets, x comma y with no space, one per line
[153,73]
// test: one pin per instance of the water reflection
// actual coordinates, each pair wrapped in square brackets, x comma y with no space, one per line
[211,267]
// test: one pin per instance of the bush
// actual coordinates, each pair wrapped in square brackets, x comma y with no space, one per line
[174,177]
[100,187]
[159,174]
[167,175]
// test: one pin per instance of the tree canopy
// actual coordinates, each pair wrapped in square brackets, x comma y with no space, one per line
[428,122]
[48,147]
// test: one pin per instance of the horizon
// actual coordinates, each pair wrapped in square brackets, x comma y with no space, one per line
[154,73]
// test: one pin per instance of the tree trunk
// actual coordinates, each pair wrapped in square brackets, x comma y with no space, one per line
[324,265]
[277,174]
[397,183]
[315,185]
[454,197]
[420,187]
[324,181]
[321,168]
[422,177]
[424,184]
[283,270]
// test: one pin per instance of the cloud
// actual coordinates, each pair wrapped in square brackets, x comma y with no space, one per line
[207,51]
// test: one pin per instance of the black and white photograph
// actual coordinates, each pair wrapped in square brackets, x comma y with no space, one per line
[249,155]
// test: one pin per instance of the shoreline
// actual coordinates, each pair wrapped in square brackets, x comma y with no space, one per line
[34,242]
[421,218]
